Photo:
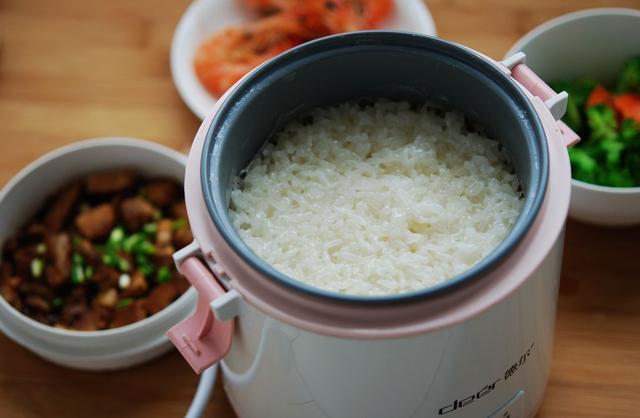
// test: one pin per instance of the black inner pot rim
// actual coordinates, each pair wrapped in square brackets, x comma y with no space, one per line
[217,205]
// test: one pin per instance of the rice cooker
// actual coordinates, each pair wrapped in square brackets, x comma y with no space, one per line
[478,345]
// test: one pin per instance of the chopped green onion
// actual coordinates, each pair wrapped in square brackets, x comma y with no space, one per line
[146,269]
[117,234]
[77,274]
[145,266]
[88,272]
[123,303]
[109,259]
[179,224]
[77,259]
[124,281]
[157,215]
[123,264]
[164,274]
[116,261]
[146,248]
[150,229]
[57,302]
[37,266]
[131,242]
[41,248]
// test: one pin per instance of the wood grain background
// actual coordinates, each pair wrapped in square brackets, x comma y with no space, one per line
[77,69]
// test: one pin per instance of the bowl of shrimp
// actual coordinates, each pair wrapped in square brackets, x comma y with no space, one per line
[217,42]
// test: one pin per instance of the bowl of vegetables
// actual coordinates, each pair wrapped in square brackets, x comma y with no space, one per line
[594,55]
[87,234]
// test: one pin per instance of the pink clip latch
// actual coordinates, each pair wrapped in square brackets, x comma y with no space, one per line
[530,80]
[202,339]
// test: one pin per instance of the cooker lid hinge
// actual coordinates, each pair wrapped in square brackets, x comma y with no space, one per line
[205,337]
[555,102]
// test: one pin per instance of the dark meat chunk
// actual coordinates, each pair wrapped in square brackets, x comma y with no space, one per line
[87,251]
[180,282]
[22,258]
[96,223]
[38,303]
[135,312]
[9,290]
[179,210]
[6,270]
[61,207]
[164,233]
[36,232]
[89,320]
[136,212]
[161,192]
[40,289]
[106,277]
[59,253]
[137,287]
[161,297]
[182,237]
[110,182]
[164,256]
[107,298]
[74,306]
[54,277]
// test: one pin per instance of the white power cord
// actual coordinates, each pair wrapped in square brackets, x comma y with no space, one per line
[205,387]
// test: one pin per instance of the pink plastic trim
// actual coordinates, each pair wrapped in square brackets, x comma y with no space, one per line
[201,339]
[530,80]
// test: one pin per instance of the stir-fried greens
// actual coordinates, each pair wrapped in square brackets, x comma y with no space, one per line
[608,121]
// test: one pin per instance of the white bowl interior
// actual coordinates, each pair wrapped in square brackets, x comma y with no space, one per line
[205,17]
[592,43]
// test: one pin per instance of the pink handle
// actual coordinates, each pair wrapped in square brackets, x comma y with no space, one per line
[530,80]
[201,339]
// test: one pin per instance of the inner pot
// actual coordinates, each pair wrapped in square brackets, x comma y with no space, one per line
[374,64]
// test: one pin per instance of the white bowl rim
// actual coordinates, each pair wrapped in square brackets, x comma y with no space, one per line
[560,20]
[570,17]
[604,189]
[60,152]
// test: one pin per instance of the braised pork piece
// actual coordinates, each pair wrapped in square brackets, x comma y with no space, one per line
[98,255]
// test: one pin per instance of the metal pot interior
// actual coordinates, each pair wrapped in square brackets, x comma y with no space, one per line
[393,65]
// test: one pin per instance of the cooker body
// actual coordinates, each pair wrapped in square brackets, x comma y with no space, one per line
[495,362]
[477,349]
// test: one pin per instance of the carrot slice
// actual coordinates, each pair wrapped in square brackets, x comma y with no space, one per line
[599,95]
[628,105]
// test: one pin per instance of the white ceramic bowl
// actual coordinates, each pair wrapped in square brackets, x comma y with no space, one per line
[205,17]
[25,193]
[591,43]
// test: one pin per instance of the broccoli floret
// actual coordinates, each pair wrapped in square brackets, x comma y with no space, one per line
[579,91]
[632,160]
[630,130]
[602,122]
[615,178]
[612,149]
[629,79]
[584,166]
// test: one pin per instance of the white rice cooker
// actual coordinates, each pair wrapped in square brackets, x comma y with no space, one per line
[478,345]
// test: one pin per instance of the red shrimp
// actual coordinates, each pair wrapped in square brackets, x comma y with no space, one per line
[227,56]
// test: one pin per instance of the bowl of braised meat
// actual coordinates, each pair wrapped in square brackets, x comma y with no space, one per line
[87,235]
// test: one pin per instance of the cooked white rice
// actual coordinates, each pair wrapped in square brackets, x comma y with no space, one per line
[376,200]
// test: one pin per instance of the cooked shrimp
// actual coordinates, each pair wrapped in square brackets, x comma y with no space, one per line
[227,56]
[325,17]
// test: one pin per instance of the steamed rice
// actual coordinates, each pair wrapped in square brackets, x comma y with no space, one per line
[378,199]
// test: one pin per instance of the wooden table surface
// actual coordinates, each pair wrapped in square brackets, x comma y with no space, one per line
[77,69]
